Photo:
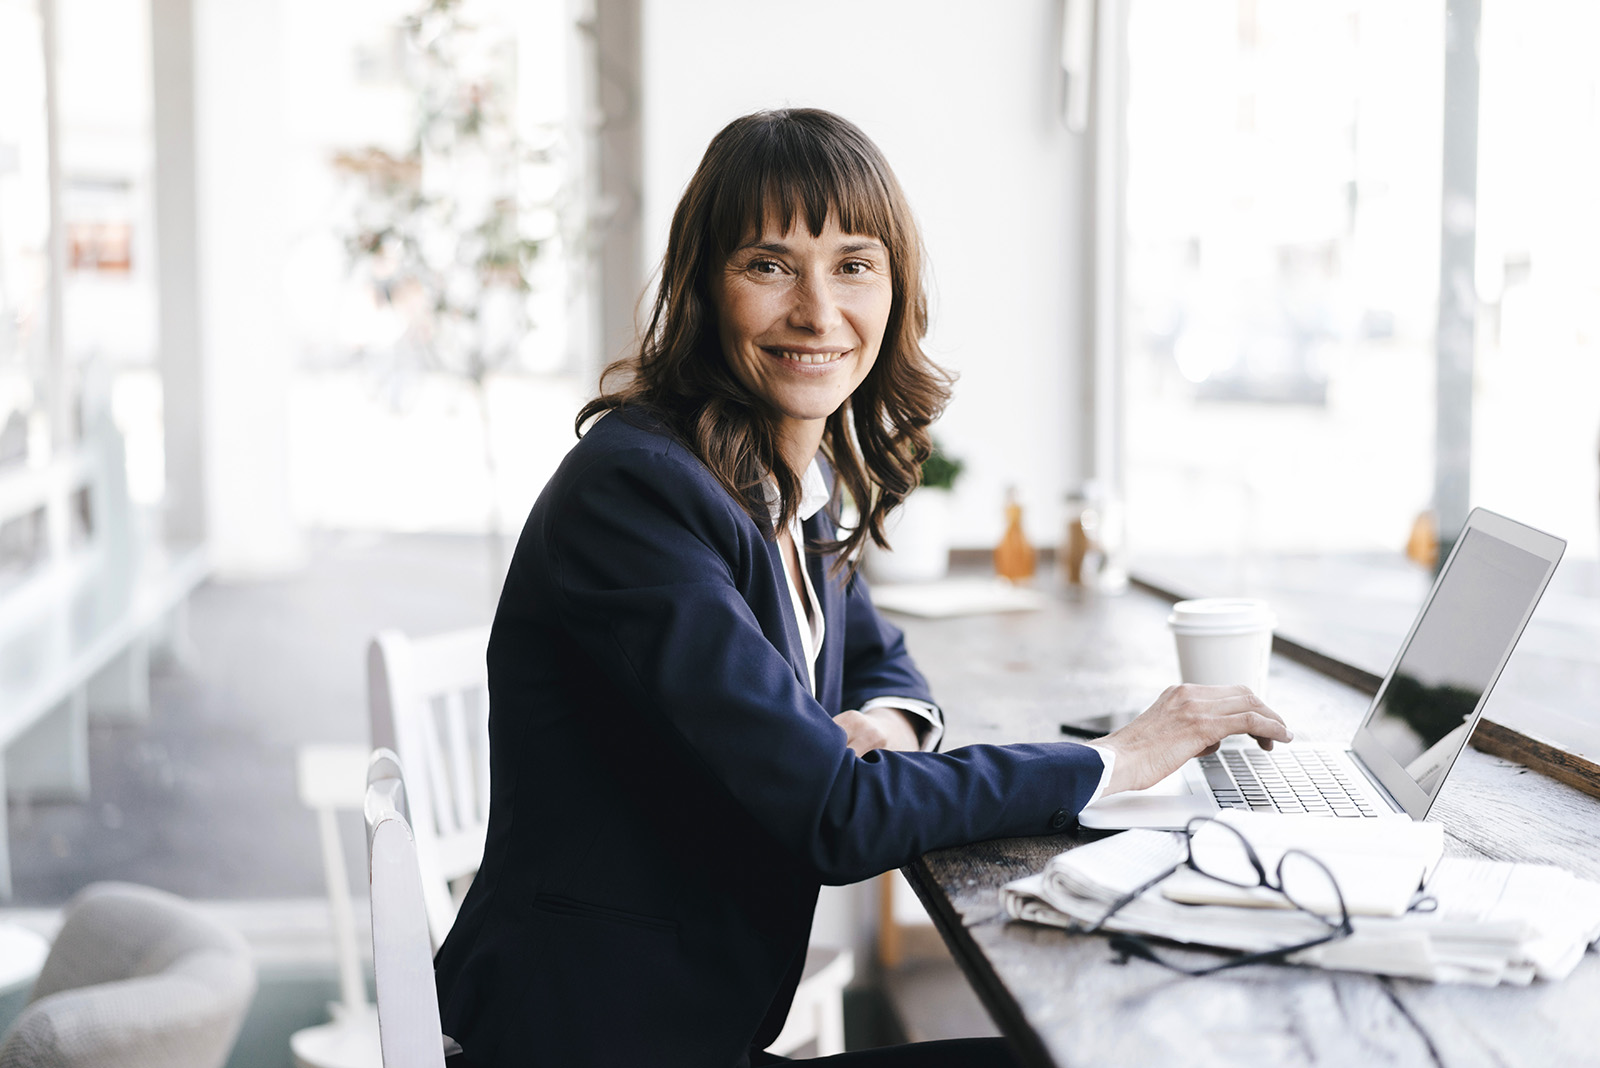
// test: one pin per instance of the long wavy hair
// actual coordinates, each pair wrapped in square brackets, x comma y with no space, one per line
[775,167]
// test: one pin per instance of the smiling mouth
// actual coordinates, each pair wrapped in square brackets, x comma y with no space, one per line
[807,358]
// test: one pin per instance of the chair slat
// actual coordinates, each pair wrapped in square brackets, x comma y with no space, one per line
[440,795]
[460,754]
[452,661]
[480,752]
[460,853]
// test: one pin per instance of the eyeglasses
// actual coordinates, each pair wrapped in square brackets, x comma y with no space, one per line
[1227,857]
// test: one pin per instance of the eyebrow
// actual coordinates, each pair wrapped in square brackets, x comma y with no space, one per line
[863,245]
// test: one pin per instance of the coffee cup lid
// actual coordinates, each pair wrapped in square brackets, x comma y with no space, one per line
[1220,615]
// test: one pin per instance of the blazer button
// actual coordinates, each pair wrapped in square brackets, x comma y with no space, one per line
[1060,819]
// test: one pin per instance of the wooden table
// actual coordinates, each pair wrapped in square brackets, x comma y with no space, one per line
[1059,997]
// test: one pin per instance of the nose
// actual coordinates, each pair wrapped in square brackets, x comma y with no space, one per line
[815,309]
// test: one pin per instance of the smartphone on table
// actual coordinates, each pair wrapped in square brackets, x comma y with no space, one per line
[1098,726]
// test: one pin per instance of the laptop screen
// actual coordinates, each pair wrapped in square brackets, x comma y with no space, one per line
[1424,716]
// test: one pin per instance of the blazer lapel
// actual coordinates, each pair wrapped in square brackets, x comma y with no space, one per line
[831,596]
[793,651]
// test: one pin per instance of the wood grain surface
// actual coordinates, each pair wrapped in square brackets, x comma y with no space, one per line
[1061,998]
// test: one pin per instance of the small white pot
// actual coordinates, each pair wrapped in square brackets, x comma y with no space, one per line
[919,531]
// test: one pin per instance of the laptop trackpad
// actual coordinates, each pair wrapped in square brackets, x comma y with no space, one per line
[1174,785]
[1168,804]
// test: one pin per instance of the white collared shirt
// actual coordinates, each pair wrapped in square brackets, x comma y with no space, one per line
[814,496]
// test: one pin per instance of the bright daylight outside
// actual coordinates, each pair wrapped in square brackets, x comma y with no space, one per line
[1283,235]
[330,279]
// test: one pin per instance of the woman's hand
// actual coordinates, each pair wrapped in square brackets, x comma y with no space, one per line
[883,727]
[1187,721]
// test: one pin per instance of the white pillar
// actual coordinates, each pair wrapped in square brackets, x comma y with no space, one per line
[178,299]
[246,360]
[1109,190]
[1455,340]
[63,395]
[619,101]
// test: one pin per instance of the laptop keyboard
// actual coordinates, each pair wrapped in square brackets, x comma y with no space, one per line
[1285,780]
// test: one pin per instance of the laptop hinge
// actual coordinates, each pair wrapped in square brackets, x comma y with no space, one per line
[1382,791]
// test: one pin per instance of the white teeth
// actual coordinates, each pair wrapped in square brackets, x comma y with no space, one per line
[812,357]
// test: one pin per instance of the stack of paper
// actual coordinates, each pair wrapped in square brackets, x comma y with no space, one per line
[1377,863]
[1487,922]
[957,597]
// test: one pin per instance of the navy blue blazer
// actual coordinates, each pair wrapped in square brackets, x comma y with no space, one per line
[667,794]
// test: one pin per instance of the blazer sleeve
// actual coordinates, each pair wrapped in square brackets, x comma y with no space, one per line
[648,556]
[877,666]
[876,663]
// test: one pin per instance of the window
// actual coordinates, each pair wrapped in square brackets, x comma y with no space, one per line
[403,418]
[1283,251]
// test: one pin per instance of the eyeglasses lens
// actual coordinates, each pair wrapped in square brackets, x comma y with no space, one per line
[1220,852]
[1310,886]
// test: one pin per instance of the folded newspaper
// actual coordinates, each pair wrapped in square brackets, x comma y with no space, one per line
[1486,922]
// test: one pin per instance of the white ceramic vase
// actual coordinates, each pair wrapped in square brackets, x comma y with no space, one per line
[919,533]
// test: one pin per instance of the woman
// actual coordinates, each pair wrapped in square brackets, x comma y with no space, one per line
[697,716]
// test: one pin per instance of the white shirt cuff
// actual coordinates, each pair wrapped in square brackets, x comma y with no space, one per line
[920,709]
[1110,759]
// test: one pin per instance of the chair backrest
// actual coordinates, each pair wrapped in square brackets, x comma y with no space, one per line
[402,957]
[136,977]
[429,700]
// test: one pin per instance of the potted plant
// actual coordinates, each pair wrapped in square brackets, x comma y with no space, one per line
[919,530]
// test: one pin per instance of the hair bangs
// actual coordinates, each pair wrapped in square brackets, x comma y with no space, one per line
[793,172]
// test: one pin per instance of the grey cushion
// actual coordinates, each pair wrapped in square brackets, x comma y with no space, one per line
[137,978]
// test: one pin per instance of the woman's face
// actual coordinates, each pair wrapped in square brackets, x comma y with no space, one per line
[801,319]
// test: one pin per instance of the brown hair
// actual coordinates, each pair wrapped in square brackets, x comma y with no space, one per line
[793,162]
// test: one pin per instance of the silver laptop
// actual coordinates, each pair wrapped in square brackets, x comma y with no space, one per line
[1419,720]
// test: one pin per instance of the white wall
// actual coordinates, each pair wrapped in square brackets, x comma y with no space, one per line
[962,98]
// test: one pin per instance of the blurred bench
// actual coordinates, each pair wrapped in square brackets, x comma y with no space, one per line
[83,598]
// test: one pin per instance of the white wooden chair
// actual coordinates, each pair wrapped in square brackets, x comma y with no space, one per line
[429,700]
[817,1014]
[331,778]
[402,956]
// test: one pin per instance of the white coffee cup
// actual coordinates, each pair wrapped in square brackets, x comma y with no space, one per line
[1223,641]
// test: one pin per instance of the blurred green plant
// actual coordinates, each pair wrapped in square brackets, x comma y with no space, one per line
[444,231]
[940,470]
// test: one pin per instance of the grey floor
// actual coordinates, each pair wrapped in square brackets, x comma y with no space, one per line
[201,799]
